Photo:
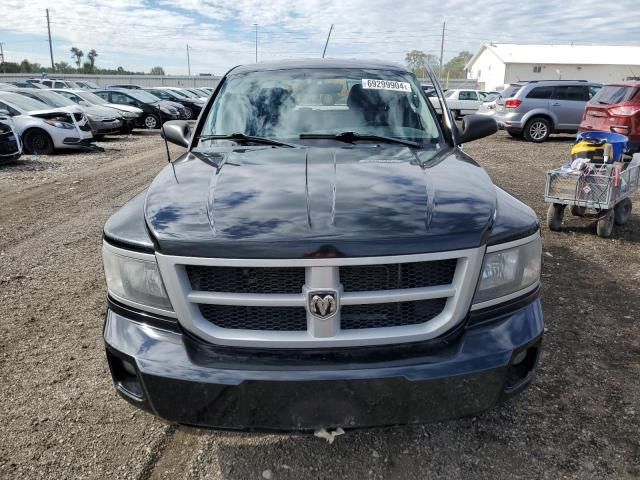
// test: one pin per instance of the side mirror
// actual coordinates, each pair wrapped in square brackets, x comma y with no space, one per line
[475,127]
[177,131]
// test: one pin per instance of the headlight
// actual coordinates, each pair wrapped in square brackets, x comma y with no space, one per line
[91,117]
[59,124]
[135,279]
[509,271]
[165,110]
[128,114]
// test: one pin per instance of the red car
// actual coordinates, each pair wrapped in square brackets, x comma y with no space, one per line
[615,108]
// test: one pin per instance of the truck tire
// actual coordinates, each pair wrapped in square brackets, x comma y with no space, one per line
[537,130]
[151,122]
[623,211]
[554,217]
[605,224]
[38,142]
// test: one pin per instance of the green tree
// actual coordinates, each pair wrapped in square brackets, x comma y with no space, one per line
[76,55]
[64,67]
[27,67]
[157,71]
[417,61]
[455,67]
[92,59]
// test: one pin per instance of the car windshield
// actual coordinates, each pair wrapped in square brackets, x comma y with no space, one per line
[284,104]
[91,98]
[52,98]
[186,93]
[176,94]
[24,103]
[143,96]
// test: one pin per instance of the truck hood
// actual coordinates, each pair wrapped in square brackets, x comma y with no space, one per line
[367,200]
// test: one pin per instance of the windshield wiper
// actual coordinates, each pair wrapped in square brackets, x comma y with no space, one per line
[351,136]
[241,137]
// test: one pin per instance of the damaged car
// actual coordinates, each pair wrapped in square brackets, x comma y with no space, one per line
[103,121]
[43,129]
[10,145]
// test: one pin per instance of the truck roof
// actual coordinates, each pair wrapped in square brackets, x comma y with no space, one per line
[317,63]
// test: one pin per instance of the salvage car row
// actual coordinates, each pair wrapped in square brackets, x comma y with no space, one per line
[39,121]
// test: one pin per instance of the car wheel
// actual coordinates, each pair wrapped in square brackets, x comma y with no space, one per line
[188,113]
[514,134]
[151,122]
[605,224]
[554,216]
[537,130]
[623,211]
[38,142]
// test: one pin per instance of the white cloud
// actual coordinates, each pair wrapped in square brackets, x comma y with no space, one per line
[139,34]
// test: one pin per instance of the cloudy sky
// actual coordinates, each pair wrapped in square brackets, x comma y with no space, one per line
[139,34]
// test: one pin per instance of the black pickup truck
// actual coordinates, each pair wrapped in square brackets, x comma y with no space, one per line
[324,254]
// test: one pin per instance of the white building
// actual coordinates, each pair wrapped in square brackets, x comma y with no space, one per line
[497,64]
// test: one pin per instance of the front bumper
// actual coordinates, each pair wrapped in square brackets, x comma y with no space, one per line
[100,127]
[185,380]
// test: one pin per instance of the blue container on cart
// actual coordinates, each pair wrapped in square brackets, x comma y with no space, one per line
[620,143]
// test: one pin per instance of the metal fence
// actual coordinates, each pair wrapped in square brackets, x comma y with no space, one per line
[455,83]
[106,80]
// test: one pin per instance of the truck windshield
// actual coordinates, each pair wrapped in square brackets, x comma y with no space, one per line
[284,104]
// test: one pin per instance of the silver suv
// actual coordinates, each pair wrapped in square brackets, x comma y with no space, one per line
[535,109]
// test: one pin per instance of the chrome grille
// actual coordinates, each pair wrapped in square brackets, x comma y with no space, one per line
[390,314]
[246,279]
[266,302]
[362,278]
[256,318]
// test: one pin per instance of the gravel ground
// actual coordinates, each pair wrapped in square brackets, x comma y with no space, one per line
[61,417]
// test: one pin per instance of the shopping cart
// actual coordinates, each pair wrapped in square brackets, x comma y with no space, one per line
[599,191]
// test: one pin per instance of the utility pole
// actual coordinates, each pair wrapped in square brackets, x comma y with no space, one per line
[327,42]
[441,50]
[256,27]
[53,67]
[188,60]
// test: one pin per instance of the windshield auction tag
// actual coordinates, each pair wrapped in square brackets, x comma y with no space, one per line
[372,84]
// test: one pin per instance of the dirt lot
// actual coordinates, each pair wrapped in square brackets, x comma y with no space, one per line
[61,417]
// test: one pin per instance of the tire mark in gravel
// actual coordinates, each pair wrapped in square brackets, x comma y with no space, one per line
[112,180]
[175,455]
[52,300]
